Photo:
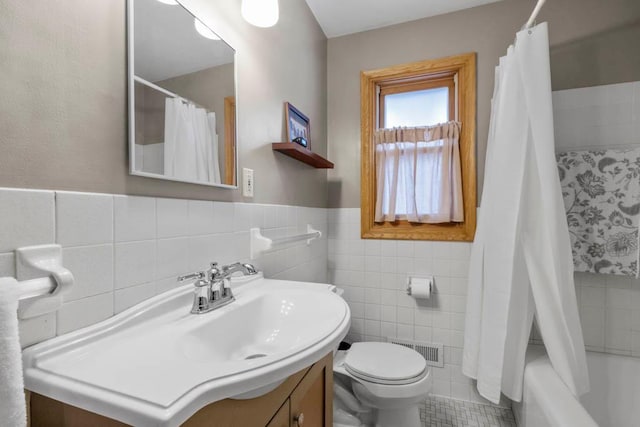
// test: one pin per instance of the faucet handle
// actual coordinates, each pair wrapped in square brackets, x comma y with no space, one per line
[197,276]
[226,290]
[214,272]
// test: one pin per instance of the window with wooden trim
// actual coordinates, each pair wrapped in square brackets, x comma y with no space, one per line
[407,100]
[422,101]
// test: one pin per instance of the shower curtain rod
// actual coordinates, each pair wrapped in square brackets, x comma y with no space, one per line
[163,90]
[534,14]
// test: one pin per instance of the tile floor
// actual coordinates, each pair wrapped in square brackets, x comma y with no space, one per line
[443,412]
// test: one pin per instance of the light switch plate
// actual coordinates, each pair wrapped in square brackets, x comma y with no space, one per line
[247,182]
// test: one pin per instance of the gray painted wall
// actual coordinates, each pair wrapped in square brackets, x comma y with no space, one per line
[63,109]
[601,59]
[149,115]
[487,30]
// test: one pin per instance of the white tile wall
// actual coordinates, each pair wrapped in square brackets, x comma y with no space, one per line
[201,219]
[8,264]
[135,218]
[92,268]
[128,297]
[83,312]
[83,219]
[125,249]
[173,218]
[596,117]
[172,257]
[609,313]
[135,263]
[38,329]
[373,274]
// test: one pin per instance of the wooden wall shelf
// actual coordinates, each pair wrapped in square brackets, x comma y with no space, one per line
[300,153]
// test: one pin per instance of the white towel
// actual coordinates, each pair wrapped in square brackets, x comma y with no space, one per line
[13,411]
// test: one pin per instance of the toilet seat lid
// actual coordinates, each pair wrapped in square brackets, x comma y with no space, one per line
[384,361]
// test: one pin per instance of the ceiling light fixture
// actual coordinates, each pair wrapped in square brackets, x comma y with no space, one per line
[170,2]
[261,13]
[204,31]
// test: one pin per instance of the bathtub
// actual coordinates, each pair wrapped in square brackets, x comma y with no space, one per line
[614,399]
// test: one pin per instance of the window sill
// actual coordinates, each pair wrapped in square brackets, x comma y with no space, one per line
[404,230]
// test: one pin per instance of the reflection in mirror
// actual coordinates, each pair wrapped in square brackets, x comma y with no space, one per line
[181,97]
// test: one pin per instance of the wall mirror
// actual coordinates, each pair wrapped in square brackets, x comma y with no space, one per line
[182,97]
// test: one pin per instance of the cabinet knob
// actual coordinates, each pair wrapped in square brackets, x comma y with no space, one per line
[299,419]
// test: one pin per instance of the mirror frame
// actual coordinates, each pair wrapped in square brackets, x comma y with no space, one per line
[131,105]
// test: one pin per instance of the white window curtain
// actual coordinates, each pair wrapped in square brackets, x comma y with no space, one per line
[418,174]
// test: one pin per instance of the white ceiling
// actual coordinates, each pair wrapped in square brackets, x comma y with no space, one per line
[167,45]
[341,17]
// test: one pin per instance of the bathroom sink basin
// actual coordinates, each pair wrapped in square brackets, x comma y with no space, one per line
[157,364]
[269,325]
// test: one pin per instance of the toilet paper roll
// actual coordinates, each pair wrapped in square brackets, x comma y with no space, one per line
[420,287]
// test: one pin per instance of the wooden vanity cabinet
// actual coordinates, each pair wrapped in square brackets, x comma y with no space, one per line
[282,417]
[305,399]
[310,401]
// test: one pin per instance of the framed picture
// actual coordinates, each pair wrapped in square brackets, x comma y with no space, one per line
[298,126]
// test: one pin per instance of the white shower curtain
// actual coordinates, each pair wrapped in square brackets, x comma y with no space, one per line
[178,141]
[191,143]
[521,260]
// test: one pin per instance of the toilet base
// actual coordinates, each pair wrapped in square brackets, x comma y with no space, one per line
[390,405]
[408,416]
[389,412]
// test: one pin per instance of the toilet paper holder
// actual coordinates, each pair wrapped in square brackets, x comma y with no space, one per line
[410,281]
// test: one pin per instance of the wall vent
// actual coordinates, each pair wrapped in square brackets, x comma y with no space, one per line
[432,353]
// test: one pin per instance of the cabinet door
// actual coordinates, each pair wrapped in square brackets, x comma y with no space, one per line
[281,418]
[312,400]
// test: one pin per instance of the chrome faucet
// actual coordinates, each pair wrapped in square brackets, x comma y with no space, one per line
[210,290]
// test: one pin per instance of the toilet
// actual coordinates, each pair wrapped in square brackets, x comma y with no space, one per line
[389,379]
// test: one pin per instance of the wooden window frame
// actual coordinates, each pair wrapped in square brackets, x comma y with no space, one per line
[464,66]
[230,149]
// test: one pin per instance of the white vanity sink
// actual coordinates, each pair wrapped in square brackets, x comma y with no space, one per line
[157,364]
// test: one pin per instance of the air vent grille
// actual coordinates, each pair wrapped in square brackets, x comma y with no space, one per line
[405,345]
[432,353]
